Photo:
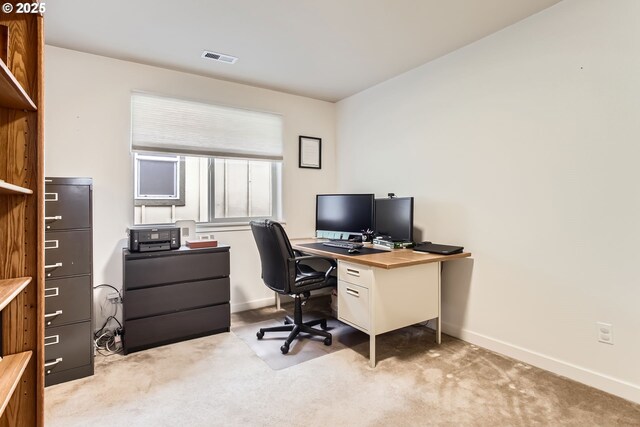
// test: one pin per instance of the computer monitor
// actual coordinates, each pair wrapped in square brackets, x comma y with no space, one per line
[342,216]
[394,218]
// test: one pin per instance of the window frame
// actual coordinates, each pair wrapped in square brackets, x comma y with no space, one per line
[163,201]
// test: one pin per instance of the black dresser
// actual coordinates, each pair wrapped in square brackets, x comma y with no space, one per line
[171,296]
[68,292]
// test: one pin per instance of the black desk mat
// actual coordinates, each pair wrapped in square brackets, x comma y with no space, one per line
[342,251]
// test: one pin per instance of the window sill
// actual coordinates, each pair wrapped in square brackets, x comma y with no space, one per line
[226,227]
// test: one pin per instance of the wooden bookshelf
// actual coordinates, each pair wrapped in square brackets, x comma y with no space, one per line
[12,95]
[21,219]
[10,288]
[11,369]
[6,188]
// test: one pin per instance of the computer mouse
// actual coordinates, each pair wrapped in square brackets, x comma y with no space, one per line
[353,251]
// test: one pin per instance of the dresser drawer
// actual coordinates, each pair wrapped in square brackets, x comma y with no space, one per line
[67,253]
[172,298]
[67,206]
[67,300]
[356,274]
[353,305]
[141,272]
[149,332]
[67,347]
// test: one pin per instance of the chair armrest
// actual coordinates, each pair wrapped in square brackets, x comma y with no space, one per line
[332,262]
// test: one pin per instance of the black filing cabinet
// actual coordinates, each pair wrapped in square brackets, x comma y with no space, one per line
[68,295]
[175,295]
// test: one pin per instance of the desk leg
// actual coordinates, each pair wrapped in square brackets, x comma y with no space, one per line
[439,320]
[372,350]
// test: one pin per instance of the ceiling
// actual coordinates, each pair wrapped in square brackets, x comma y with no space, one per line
[323,49]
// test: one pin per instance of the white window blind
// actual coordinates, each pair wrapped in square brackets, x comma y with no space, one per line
[160,124]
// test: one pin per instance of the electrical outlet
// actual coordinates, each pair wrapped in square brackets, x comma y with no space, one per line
[605,332]
[114,297]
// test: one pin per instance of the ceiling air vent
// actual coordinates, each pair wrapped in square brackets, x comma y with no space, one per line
[220,57]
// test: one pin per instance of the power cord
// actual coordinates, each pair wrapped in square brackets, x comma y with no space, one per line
[109,341]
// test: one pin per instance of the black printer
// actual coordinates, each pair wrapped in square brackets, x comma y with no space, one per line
[157,238]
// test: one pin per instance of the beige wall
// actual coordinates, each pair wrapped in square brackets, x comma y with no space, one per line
[88,134]
[523,147]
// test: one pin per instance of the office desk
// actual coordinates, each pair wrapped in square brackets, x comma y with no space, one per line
[381,292]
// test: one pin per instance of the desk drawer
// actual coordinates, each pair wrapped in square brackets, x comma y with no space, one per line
[171,298]
[353,305]
[354,273]
[67,253]
[67,347]
[67,300]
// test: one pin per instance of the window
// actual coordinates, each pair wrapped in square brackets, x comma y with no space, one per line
[204,162]
[159,180]
[242,188]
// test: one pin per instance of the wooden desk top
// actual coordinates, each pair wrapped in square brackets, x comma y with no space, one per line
[388,259]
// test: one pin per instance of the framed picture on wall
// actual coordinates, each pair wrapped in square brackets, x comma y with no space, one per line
[310,152]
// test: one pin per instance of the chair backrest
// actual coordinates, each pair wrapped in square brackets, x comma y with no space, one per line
[276,253]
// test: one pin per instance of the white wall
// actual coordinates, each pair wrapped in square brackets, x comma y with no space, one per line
[88,134]
[523,147]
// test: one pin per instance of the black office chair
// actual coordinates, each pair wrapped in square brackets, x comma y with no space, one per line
[284,271]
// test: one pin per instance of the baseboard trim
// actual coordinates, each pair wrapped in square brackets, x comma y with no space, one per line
[250,305]
[612,385]
[265,302]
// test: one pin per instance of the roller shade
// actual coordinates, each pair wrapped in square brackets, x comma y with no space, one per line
[169,125]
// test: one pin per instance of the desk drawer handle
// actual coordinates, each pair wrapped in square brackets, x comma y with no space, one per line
[353,292]
[353,272]
[53,218]
[54,197]
[51,292]
[53,244]
[55,362]
[55,340]
[56,313]
[56,265]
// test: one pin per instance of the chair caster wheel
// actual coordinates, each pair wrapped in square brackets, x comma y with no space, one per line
[259,334]
[327,341]
[285,348]
[323,325]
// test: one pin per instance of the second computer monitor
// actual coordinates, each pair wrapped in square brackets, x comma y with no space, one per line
[394,218]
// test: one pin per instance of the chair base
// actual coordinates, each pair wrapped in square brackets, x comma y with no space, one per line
[295,325]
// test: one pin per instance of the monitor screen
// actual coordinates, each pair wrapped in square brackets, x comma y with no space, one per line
[343,213]
[394,218]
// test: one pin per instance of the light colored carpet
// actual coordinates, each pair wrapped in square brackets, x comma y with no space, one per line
[219,381]
[303,349]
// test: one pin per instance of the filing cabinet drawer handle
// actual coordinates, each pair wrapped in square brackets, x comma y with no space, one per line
[53,218]
[51,292]
[56,265]
[53,199]
[56,313]
[55,362]
[53,244]
[55,340]
[353,272]
[353,292]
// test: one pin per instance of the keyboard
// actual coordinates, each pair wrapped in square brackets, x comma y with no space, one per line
[343,245]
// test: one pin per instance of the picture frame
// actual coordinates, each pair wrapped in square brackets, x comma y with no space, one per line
[309,152]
